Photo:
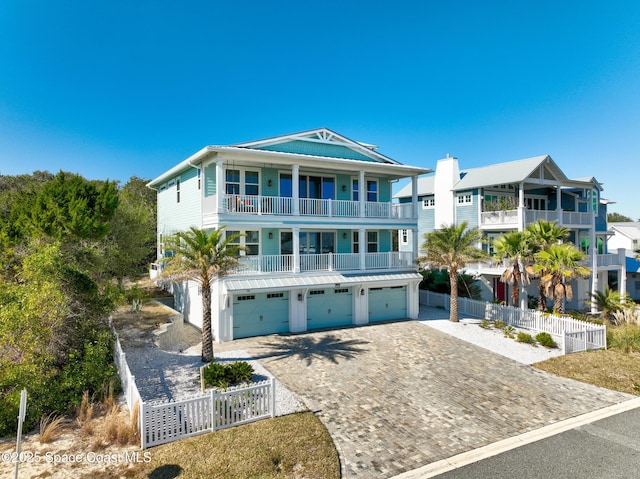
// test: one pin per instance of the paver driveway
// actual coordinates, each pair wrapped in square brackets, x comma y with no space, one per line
[400,395]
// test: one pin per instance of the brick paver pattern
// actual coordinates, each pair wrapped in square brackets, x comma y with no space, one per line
[400,395]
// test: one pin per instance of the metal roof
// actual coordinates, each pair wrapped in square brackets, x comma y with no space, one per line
[303,281]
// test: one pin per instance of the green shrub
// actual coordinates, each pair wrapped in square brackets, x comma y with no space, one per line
[485,324]
[508,331]
[524,338]
[546,340]
[224,375]
[500,324]
[625,338]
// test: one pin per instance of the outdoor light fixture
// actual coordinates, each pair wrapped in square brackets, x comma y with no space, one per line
[270,235]
[270,182]
[299,296]
[344,235]
[344,187]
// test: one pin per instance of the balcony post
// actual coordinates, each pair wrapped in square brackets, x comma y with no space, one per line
[521,215]
[361,194]
[559,205]
[296,249]
[295,188]
[414,243]
[414,197]
[361,248]
[622,273]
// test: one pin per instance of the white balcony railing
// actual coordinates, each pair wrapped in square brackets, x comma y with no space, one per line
[278,205]
[510,217]
[324,262]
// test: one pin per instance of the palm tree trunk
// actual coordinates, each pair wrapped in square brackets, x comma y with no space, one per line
[207,336]
[515,295]
[453,300]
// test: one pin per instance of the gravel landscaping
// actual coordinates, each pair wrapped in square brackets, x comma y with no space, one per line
[469,330]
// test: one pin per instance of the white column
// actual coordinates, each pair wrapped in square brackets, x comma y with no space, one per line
[622,273]
[295,188]
[521,218]
[362,244]
[296,249]
[559,204]
[414,196]
[362,191]
[219,184]
[415,243]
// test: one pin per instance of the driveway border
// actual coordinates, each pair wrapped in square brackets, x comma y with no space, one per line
[455,462]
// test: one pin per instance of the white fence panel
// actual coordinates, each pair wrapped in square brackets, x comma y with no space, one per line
[163,423]
[243,405]
[574,331]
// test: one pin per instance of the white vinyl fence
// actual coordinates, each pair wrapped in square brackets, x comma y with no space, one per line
[576,335]
[160,423]
[167,422]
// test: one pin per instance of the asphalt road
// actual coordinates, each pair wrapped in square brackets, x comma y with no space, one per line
[608,448]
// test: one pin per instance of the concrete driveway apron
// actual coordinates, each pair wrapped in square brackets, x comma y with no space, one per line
[397,396]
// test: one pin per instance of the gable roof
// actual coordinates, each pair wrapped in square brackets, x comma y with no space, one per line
[630,229]
[307,148]
[538,169]
[320,142]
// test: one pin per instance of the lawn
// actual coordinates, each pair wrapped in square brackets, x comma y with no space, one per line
[293,446]
[611,369]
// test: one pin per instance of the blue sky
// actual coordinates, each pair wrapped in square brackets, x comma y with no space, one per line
[114,89]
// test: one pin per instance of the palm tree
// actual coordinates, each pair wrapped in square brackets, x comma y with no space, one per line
[557,265]
[543,234]
[609,301]
[204,258]
[452,247]
[516,248]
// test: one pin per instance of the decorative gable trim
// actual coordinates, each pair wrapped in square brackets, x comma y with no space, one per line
[320,136]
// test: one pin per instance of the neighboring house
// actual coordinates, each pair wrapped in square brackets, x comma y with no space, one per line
[627,237]
[318,223]
[507,197]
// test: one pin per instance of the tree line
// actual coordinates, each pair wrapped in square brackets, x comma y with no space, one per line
[67,247]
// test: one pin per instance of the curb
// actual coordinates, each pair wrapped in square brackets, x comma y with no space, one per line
[465,458]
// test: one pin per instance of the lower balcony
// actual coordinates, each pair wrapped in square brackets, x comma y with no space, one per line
[286,263]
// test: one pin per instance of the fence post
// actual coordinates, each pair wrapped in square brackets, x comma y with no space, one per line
[585,338]
[273,397]
[143,429]
[564,342]
[213,410]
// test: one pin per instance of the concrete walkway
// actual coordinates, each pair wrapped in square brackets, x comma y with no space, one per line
[401,395]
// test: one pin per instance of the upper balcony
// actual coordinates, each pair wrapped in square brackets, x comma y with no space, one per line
[287,206]
[511,219]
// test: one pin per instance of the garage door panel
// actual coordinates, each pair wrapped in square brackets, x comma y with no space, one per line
[387,303]
[261,313]
[329,308]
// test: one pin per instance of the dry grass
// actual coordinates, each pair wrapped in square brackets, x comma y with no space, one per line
[51,428]
[119,428]
[293,446]
[611,369]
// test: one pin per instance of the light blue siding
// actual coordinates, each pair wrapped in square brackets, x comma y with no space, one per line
[173,215]
[343,180]
[270,245]
[269,175]
[385,190]
[384,241]
[468,213]
[318,149]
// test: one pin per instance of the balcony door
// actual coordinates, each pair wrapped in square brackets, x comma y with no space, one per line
[310,186]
